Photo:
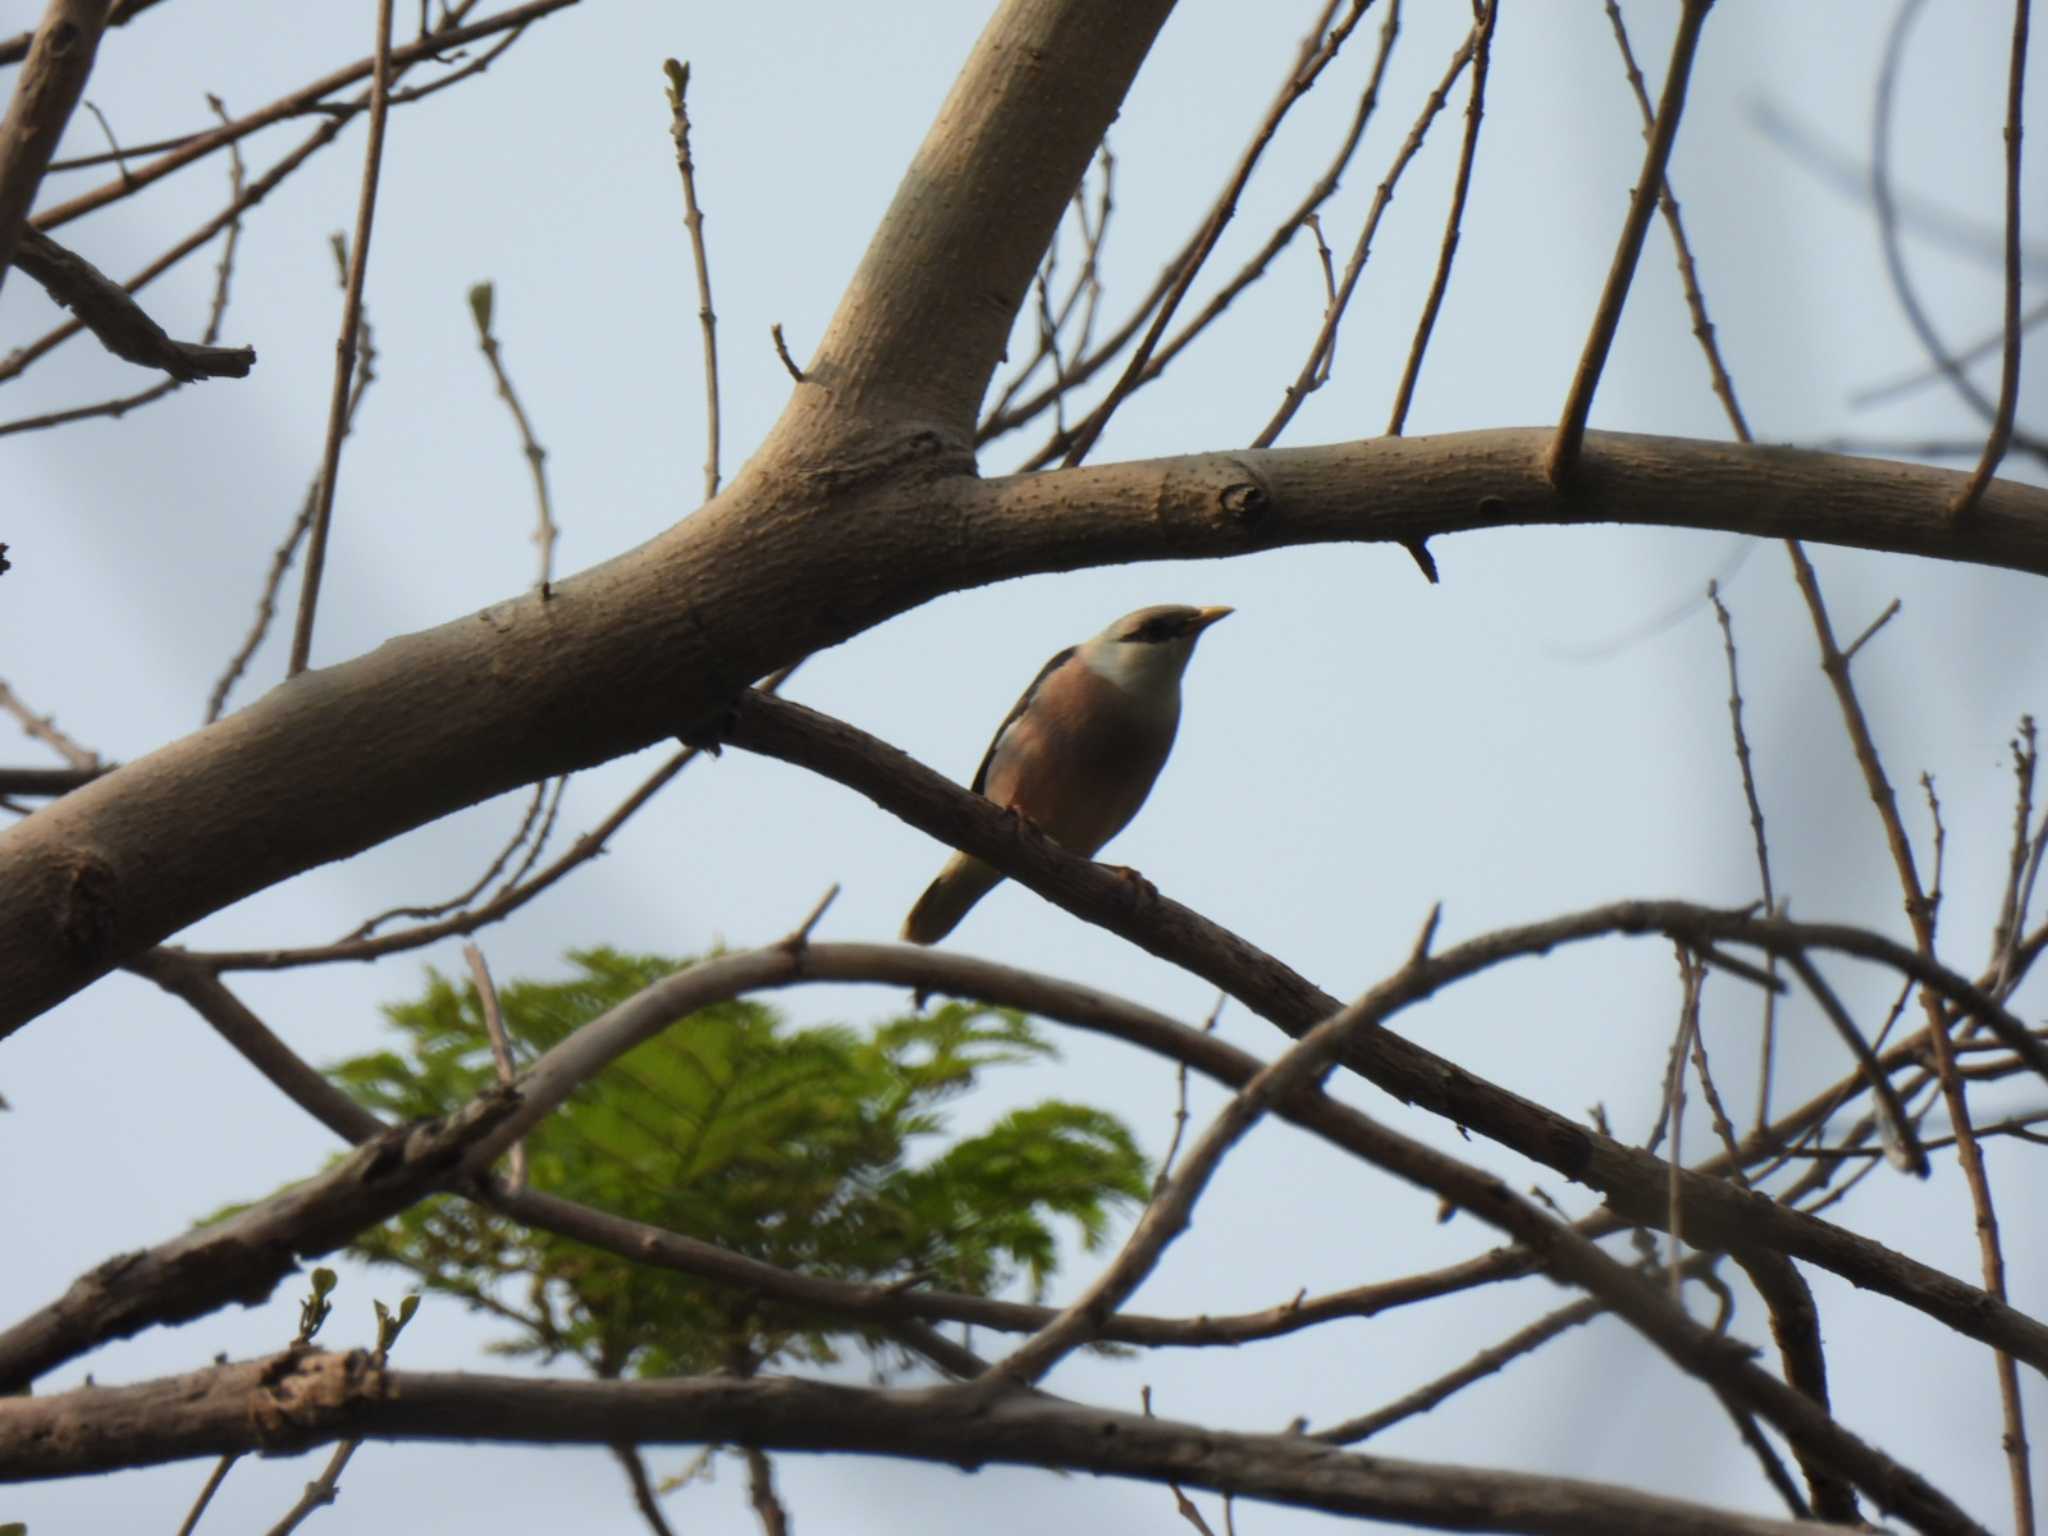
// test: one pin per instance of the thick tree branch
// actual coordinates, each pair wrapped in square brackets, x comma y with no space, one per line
[292,1402]
[927,317]
[787,562]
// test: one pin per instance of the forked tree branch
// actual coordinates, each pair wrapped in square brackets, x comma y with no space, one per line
[350,757]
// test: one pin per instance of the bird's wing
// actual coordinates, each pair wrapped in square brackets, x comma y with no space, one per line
[1024,703]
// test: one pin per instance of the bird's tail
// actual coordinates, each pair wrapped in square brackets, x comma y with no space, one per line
[962,883]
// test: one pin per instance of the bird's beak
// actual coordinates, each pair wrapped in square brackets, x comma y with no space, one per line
[1207,616]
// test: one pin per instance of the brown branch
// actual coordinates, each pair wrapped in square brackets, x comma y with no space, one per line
[635,1468]
[1489,1361]
[44,728]
[1634,1183]
[52,79]
[2009,370]
[1318,51]
[294,1401]
[516,893]
[105,308]
[430,46]
[693,220]
[482,306]
[1315,369]
[345,351]
[1884,203]
[1475,113]
[782,351]
[501,1052]
[337,116]
[281,558]
[1795,1325]
[461,899]
[1688,271]
[1920,915]
[39,782]
[1561,462]
[1007,417]
[191,980]
[586,681]
[223,275]
[1768,1046]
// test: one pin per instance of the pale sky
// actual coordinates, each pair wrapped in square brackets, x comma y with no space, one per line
[1522,740]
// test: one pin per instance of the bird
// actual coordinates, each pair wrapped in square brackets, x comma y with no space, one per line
[1079,753]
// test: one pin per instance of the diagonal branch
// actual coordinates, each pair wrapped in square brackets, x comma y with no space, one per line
[111,313]
[1578,404]
[1716,1215]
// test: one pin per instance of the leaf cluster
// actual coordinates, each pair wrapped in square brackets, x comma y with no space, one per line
[820,1149]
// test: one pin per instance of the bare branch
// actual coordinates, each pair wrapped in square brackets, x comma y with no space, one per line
[1562,459]
[105,309]
[501,1052]
[1315,370]
[345,350]
[1475,112]
[693,220]
[2009,370]
[482,305]
[449,33]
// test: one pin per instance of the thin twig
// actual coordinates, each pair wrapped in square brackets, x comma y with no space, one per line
[1884,204]
[500,906]
[693,220]
[1086,364]
[1475,113]
[345,349]
[1314,371]
[2009,371]
[1769,1043]
[1322,46]
[456,903]
[482,306]
[213,1481]
[281,558]
[1920,914]
[782,351]
[308,100]
[2012,916]
[1688,271]
[1578,406]
[1692,976]
[501,1052]
[1486,1363]
[44,729]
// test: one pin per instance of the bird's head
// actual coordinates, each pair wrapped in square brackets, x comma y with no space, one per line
[1149,649]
